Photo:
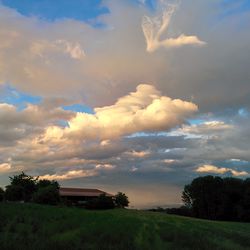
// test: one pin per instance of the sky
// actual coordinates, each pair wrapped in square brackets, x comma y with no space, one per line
[138,96]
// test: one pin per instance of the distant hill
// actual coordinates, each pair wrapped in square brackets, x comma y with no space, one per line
[29,227]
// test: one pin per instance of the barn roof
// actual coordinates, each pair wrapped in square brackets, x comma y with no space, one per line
[65,191]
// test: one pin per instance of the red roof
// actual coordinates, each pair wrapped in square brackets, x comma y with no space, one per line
[89,192]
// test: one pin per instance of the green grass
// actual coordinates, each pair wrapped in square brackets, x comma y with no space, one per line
[29,226]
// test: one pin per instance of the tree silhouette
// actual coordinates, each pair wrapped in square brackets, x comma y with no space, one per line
[21,187]
[121,200]
[1,194]
[212,197]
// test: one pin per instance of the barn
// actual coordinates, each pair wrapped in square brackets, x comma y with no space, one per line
[79,196]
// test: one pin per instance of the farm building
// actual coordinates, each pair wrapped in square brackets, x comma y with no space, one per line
[79,196]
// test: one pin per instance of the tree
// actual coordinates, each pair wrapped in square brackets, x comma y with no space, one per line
[218,198]
[47,192]
[121,200]
[14,193]
[24,187]
[245,211]
[21,187]
[47,195]
[232,196]
[203,196]
[1,194]
[187,196]
[45,183]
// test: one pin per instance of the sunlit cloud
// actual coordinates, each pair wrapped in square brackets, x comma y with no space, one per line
[154,28]
[206,127]
[217,170]
[170,161]
[130,114]
[105,166]
[5,167]
[69,175]
[139,154]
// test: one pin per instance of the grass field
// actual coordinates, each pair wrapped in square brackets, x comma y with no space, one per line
[28,226]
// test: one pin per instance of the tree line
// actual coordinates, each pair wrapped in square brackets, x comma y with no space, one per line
[26,188]
[216,198]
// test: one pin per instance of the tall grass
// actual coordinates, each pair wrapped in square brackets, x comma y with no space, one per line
[29,226]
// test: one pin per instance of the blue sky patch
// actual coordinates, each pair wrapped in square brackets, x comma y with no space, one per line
[10,95]
[79,108]
[82,10]
[231,7]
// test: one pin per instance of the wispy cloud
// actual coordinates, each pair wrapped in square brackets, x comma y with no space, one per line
[154,28]
[45,49]
[69,175]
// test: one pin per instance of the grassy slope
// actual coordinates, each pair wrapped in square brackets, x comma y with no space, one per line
[25,226]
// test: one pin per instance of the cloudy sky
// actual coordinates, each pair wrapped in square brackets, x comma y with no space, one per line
[139,96]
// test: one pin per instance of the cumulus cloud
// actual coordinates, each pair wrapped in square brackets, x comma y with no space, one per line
[87,139]
[155,27]
[216,170]
[143,110]
[16,125]
[93,147]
